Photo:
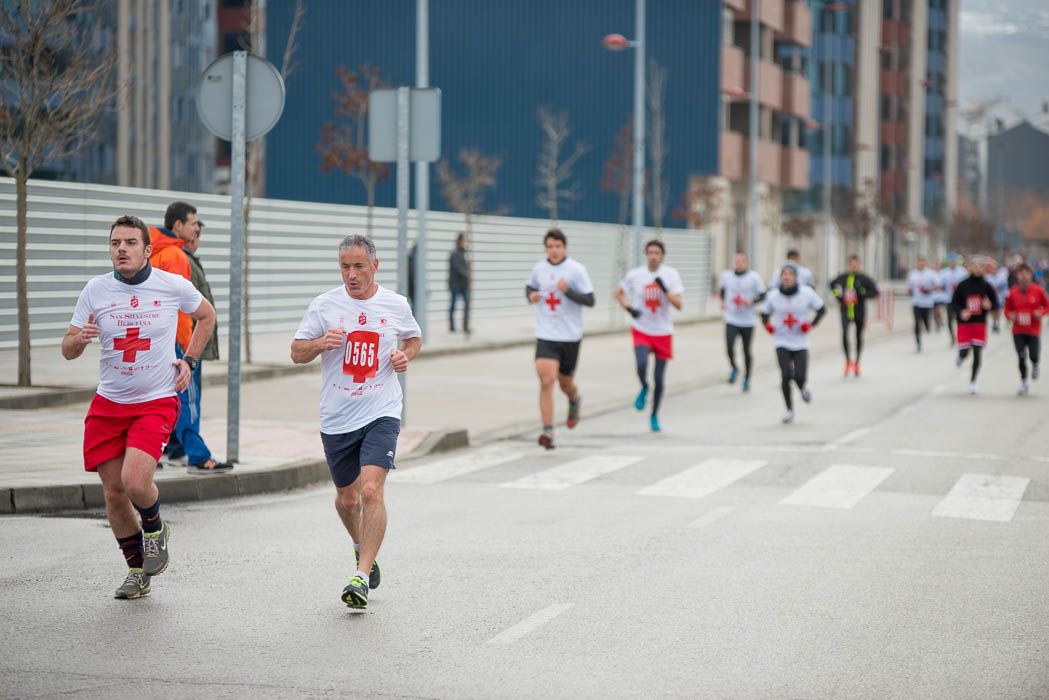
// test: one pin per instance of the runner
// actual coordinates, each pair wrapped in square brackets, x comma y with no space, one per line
[805,276]
[950,276]
[998,276]
[652,286]
[560,287]
[739,289]
[364,334]
[852,289]
[941,298]
[133,311]
[1025,306]
[973,298]
[786,317]
[922,283]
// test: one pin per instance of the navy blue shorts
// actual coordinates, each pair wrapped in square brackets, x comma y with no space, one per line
[375,444]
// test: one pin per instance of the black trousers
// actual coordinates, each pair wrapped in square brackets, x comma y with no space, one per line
[793,367]
[921,318]
[1027,346]
[746,334]
[860,322]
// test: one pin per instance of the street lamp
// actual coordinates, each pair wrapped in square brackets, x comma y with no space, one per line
[618,42]
[831,9]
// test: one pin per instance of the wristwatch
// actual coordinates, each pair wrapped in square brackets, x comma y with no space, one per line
[191,361]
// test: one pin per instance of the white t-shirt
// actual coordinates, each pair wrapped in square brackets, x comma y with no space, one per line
[138,324]
[922,285]
[740,293]
[358,383]
[557,317]
[788,313]
[949,279]
[646,296]
[805,276]
[941,295]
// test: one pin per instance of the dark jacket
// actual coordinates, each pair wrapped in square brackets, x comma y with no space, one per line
[196,276]
[970,294]
[458,270]
[853,306]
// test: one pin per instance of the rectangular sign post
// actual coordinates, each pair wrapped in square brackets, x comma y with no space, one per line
[403,193]
[236,253]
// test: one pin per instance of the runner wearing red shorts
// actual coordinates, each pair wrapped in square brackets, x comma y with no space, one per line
[647,293]
[133,311]
[973,298]
[1026,306]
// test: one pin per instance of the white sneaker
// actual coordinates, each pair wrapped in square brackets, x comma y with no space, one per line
[788,416]
[1024,387]
[972,387]
[806,396]
[957,360]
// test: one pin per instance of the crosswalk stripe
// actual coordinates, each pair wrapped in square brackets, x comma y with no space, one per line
[840,486]
[983,497]
[573,473]
[529,624]
[711,517]
[451,467]
[704,479]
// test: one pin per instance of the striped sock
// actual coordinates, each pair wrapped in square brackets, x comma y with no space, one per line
[132,549]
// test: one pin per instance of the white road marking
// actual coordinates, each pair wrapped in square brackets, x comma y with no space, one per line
[704,478]
[460,464]
[983,497]
[711,517]
[982,456]
[840,486]
[573,473]
[847,438]
[529,624]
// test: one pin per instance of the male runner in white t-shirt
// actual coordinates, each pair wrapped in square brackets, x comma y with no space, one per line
[647,293]
[740,289]
[133,311]
[364,334]
[922,284]
[560,287]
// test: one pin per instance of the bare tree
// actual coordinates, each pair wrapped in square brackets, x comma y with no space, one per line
[969,228]
[658,193]
[256,149]
[53,88]
[859,216]
[344,144]
[700,203]
[465,192]
[553,174]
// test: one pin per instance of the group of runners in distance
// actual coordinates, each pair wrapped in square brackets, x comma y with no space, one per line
[365,334]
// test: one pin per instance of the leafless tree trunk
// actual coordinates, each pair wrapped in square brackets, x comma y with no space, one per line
[658,193]
[53,89]
[553,174]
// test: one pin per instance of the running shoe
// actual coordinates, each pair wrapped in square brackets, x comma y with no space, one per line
[1034,371]
[546,439]
[732,375]
[788,416]
[848,367]
[654,423]
[135,585]
[806,395]
[972,388]
[374,577]
[355,594]
[642,397]
[856,369]
[573,412]
[1024,388]
[155,550]
[746,385]
[958,360]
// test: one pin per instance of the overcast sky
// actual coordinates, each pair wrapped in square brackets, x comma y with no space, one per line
[1004,52]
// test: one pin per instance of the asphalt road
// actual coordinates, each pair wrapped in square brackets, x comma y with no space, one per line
[891,543]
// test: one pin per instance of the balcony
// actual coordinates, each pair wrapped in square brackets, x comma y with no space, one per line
[730,157]
[892,82]
[732,67]
[771,13]
[770,84]
[891,182]
[894,32]
[737,5]
[799,23]
[892,133]
[794,168]
[797,96]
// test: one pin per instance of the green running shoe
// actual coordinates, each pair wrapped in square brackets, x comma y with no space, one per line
[155,550]
[135,585]
[355,595]
[374,577]
[573,412]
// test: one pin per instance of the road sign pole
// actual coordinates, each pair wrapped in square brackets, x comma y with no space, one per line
[403,192]
[422,168]
[236,253]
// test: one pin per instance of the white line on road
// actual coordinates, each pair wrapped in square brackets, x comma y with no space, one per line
[983,497]
[704,478]
[529,624]
[460,464]
[840,486]
[847,438]
[711,517]
[948,455]
[573,473]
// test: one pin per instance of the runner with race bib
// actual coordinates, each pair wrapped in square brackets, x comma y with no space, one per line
[1026,305]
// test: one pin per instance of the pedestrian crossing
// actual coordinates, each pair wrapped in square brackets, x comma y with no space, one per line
[991,498]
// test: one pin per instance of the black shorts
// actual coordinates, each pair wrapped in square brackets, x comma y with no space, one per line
[375,444]
[565,352]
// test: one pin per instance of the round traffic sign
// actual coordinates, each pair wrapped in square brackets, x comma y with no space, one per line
[264,102]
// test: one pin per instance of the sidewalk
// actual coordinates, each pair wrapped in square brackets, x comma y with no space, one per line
[451,394]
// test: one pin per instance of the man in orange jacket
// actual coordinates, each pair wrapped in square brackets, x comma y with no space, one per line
[180,226]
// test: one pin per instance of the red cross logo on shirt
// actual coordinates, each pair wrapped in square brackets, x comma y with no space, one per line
[131,344]
[552,301]
[737,300]
[790,321]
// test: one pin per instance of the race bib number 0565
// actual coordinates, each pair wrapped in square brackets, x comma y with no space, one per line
[361,355]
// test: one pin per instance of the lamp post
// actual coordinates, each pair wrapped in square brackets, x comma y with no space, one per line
[831,9]
[618,42]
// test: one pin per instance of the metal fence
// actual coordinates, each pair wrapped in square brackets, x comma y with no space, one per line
[292,257]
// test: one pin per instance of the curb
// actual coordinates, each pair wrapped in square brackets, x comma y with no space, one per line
[65,396]
[24,500]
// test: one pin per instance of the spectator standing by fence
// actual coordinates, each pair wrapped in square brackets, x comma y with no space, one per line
[459,283]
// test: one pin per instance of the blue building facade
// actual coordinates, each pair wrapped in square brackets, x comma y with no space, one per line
[496,64]
[933,195]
